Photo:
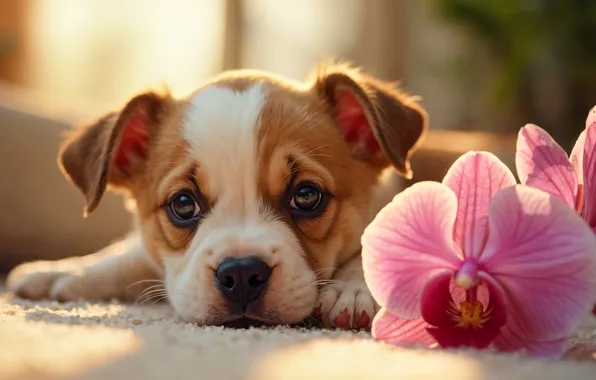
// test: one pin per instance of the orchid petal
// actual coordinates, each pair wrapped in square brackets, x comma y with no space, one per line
[543,255]
[394,330]
[408,241]
[589,166]
[475,178]
[508,341]
[453,337]
[436,303]
[543,164]
[497,304]
[577,157]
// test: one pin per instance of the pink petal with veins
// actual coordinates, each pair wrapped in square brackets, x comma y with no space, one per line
[475,178]
[394,330]
[577,157]
[543,164]
[407,243]
[543,255]
[589,166]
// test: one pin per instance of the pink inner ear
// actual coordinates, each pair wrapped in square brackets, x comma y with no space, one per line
[352,118]
[133,141]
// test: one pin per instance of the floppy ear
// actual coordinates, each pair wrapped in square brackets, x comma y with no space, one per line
[113,149]
[381,124]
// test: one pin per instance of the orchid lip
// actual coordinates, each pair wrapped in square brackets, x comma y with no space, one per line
[474,319]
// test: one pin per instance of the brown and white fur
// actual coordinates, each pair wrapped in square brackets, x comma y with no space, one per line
[241,145]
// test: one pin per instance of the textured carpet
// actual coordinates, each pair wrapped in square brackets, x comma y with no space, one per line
[47,340]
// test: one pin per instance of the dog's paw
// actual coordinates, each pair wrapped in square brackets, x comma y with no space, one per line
[346,305]
[57,280]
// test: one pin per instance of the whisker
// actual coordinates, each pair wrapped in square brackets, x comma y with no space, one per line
[148,293]
[309,321]
[320,270]
[325,271]
[316,149]
[312,126]
[154,286]
[313,153]
[156,296]
[326,282]
[151,288]
[305,120]
[151,292]
[160,299]
[144,281]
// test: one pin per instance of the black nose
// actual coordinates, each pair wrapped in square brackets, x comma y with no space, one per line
[243,280]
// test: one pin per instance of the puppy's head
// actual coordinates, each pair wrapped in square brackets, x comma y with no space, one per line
[252,188]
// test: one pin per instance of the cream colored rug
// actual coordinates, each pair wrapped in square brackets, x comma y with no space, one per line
[47,340]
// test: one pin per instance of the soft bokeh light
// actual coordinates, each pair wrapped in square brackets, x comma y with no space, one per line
[288,36]
[73,351]
[326,359]
[108,50]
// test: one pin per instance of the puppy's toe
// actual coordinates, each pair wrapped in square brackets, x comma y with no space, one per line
[343,320]
[39,280]
[33,286]
[328,297]
[347,305]
[67,287]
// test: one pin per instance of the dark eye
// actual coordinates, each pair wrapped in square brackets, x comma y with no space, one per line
[307,198]
[183,209]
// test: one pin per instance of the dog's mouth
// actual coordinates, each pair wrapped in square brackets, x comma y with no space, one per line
[245,322]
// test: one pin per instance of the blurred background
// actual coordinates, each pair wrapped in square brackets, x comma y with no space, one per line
[483,69]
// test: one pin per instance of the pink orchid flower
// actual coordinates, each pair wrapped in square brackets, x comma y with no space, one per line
[479,260]
[543,164]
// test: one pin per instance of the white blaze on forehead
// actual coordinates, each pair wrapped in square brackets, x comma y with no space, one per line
[221,128]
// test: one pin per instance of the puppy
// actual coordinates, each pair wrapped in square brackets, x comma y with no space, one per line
[250,197]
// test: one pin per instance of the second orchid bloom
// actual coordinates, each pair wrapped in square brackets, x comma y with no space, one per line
[480,261]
